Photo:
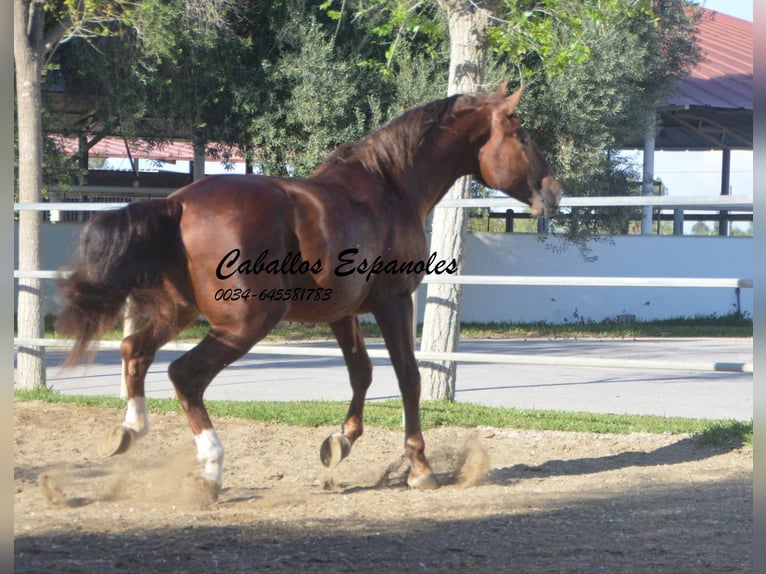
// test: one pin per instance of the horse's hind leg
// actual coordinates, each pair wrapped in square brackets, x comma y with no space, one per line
[192,373]
[138,352]
[337,446]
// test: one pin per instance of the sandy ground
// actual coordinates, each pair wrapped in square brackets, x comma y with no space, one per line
[512,501]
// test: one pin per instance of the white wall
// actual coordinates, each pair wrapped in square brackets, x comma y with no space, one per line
[624,256]
[521,254]
[59,242]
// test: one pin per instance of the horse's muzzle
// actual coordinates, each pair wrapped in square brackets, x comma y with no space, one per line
[545,201]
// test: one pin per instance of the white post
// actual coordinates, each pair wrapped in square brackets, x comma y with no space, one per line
[199,160]
[415,317]
[647,187]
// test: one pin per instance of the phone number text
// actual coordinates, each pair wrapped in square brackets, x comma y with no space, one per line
[294,294]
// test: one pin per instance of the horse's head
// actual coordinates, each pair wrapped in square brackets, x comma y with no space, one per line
[511,162]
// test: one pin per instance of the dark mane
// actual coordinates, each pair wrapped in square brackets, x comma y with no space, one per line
[395,144]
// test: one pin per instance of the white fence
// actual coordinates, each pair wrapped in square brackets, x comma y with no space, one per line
[743,203]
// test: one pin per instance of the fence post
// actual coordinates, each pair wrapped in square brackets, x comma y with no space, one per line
[723,220]
[647,186]
[509,220]
[678,222]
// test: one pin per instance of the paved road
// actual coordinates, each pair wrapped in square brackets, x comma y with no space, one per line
[600,390]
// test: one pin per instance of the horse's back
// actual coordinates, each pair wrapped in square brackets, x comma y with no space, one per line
[232,202]
[221,191]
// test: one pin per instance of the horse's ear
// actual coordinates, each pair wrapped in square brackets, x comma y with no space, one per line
[500,92]
[508,106]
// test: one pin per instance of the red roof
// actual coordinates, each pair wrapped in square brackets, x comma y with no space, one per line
[114,146]
[724,77]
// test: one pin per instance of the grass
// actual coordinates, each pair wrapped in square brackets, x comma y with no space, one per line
[727,434]
[732,325]
[388,414]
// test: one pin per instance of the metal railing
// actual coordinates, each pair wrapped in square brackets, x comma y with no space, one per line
[737,203]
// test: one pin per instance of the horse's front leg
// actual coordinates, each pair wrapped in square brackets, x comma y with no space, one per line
[337,446]
[395,321]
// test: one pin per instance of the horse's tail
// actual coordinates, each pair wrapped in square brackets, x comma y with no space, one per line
[122,252]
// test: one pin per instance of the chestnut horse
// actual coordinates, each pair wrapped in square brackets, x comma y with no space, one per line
[247,252]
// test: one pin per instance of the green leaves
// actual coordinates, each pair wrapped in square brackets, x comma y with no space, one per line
[392,29]
[554,34]
[595,68]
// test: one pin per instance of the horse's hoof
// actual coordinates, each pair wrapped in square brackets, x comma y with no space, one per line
[115,441]
[206,490]
[334,449]
[425,482]
[51,490]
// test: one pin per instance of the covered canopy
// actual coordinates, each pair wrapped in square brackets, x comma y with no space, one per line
[713,107]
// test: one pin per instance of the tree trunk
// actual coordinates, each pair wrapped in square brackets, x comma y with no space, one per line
[441,323]
[28,55]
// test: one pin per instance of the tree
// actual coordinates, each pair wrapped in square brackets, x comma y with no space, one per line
[441,323]
[29,51]
[173,71]
[283,82]
[34,43]
[311,99]
[190,60]
[702,228]
[739,232]
[327,77]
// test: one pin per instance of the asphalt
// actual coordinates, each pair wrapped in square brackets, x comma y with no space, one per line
[288,377]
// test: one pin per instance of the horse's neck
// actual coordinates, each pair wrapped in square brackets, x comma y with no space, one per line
[436,168]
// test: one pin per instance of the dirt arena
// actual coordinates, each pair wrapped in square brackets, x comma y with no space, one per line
[513,501]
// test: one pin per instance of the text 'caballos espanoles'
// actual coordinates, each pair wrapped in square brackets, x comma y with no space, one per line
[347,264]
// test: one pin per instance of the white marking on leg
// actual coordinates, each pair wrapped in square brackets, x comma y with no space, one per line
[210,451]
[136,418]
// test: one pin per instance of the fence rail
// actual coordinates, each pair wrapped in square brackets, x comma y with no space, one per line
[734,203]
[725,202]
[721,202]
[261,349]
[551,281]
